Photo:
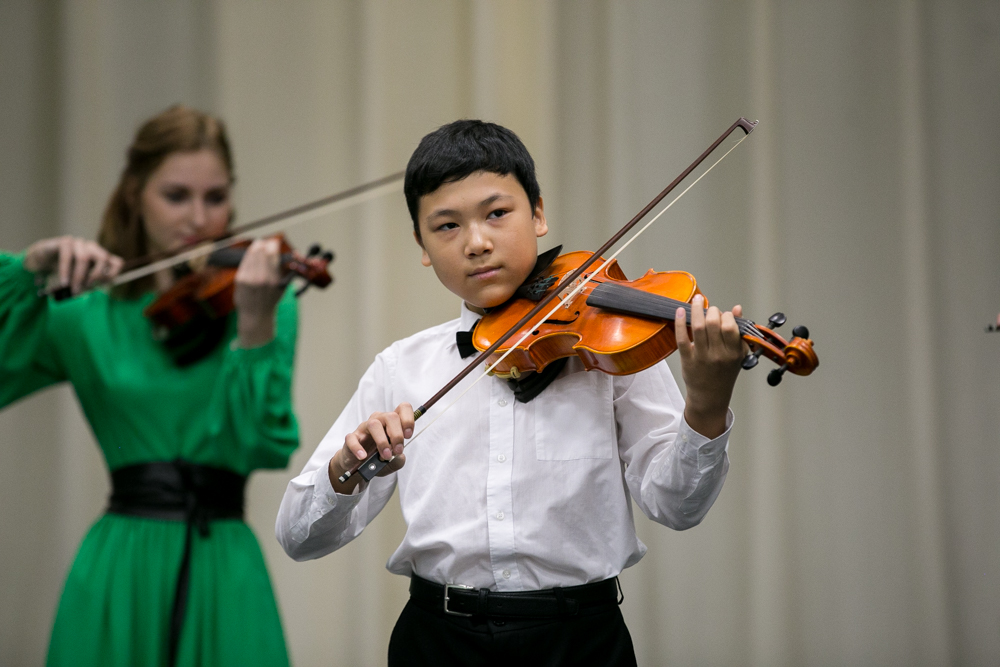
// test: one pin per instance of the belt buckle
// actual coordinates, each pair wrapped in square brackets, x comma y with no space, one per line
[446,598]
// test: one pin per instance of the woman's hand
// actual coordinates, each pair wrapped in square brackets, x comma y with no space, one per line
[710,363]
[80,263]
[384,432]
[259,287]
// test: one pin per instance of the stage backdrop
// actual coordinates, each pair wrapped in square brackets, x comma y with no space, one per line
[861,518]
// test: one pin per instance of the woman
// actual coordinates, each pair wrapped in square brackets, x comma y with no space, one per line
[170,574]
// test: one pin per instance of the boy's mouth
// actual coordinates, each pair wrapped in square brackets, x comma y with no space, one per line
[484,272]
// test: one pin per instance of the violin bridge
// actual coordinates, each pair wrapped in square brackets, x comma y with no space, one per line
[513,374]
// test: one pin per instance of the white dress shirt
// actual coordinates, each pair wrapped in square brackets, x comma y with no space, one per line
[513,496]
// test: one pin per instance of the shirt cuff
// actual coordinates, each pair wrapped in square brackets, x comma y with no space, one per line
[710,452]
[325,501]
[324,490]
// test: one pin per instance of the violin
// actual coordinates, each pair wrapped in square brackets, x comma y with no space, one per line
[189,318]
[618,326]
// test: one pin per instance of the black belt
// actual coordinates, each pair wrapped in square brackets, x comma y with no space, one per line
[178,491]
[458,600]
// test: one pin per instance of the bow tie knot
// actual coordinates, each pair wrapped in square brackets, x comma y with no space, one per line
[529,385]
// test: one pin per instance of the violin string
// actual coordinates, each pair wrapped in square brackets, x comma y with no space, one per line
[285,222]
[572,294]
[744,325]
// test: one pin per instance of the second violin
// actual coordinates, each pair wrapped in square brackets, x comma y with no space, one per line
[189,318]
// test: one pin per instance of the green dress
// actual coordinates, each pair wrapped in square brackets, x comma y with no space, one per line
[230,410]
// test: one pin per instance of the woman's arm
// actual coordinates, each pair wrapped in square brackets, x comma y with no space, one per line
[28,354]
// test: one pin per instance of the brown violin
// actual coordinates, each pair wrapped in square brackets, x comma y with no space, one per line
[619,326]
[189,318]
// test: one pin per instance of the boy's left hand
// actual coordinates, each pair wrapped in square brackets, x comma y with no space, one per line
[710,364]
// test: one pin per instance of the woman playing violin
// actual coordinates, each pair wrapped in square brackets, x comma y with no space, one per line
[170,574]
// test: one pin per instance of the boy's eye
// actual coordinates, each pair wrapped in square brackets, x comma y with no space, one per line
[496,214]
[445,226]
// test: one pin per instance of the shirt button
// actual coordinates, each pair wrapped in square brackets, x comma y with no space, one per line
[500,516]
[506,574]
[502,402]
[501,458]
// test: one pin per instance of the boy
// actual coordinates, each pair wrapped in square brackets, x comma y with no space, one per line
[518,506]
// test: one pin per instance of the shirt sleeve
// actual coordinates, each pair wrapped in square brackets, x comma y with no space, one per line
[315,520]
[673,473]
[252,400]
[28,360]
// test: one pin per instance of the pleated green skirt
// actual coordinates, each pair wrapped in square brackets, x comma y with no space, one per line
[115,608]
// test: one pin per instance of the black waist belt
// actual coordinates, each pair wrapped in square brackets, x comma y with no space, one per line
[459,600]
[178,491]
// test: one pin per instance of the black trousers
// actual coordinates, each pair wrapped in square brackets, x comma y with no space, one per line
[596,637]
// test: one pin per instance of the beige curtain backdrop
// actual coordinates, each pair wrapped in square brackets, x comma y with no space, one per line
[860,523]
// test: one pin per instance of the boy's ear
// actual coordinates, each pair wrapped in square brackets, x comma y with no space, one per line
[425,259]
[541,226]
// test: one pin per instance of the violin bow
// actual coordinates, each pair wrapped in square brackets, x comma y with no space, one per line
[372,465]
[150,264]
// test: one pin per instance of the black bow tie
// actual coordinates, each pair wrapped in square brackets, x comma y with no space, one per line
[464,341]
[530,385]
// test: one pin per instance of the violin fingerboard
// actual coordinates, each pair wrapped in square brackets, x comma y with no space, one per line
[629,300]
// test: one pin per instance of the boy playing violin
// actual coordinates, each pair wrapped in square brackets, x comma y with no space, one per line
[517,503]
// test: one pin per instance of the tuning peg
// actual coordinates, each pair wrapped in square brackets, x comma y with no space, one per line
[774,377]
[750,360]
[328,256]
[314,250]
[800,332]
[776,320]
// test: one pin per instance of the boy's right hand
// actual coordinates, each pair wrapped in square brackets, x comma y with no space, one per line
[384,431]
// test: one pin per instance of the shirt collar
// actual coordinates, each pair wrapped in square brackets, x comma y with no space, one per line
[468,318]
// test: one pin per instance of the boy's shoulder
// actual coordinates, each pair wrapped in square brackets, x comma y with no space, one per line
[429,338]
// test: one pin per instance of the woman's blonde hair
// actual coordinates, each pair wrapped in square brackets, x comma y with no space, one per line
[178,129]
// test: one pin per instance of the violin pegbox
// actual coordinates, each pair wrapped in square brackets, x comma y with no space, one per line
[796,355]
[313,268]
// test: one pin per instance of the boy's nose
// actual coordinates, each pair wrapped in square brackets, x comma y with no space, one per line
[477,242]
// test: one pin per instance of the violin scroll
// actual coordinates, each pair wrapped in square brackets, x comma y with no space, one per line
[796,355]
[312,267]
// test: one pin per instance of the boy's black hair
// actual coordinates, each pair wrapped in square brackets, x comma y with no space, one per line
[453,151]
